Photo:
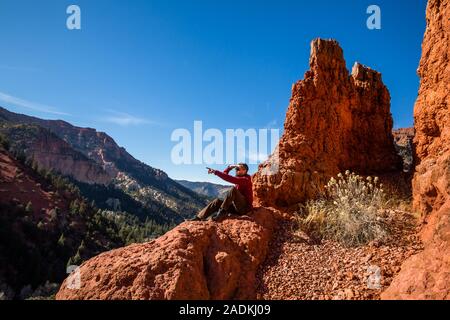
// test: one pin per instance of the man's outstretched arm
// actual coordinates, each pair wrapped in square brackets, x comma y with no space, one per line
[227,177]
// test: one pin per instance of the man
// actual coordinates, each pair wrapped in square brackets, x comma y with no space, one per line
[239,199]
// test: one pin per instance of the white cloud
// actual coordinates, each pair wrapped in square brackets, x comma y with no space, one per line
[125,119]
[18,102]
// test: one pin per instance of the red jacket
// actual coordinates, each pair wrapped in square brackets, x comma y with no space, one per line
[243,184]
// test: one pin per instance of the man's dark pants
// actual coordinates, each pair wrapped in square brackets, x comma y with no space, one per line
[234,202]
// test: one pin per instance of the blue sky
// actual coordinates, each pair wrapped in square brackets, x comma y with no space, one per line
[140,69]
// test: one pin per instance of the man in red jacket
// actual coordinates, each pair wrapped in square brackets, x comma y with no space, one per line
[239,199]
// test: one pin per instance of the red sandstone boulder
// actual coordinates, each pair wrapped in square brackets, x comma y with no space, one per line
[427,275]
[335,121]
[196,260]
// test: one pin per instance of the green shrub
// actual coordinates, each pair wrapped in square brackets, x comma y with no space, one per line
[4,142]
[348,211]
[62,240]
[29,207]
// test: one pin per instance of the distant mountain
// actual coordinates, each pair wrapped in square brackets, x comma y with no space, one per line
[92,157]
[210,190]
[46,224]
[51,152]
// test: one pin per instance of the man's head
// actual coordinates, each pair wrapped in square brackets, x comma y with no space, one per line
[241,169]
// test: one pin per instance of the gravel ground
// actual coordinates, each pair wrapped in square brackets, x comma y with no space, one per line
[295,269]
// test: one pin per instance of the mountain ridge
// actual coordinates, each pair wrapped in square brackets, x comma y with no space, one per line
[209,189]
[111,163]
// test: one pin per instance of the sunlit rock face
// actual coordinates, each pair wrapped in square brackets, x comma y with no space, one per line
[196,260]
[427,274]
[335,121]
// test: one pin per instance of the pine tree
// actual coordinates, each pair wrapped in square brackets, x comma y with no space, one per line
[53,214]
[34,165]
[70,262]
[29,207]
[130,237]
[62,240]
[82,247]
[77,259]
[83,207]
[74,206]
[4,142]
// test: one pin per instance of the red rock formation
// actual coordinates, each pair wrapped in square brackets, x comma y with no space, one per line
[102,148]
[427,275]
[55,154]
[432,112]
[196,260]
[19,185]
[403,136]
[403,139]
[52,153]
[335,121]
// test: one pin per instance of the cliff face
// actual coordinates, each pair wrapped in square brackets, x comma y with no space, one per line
[17,183]
[53,153]
[336,121]
[427,275]
[431,185]
[100,147]
[196,260]
[95,145]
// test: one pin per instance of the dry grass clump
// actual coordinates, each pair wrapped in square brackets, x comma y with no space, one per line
[349,211]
